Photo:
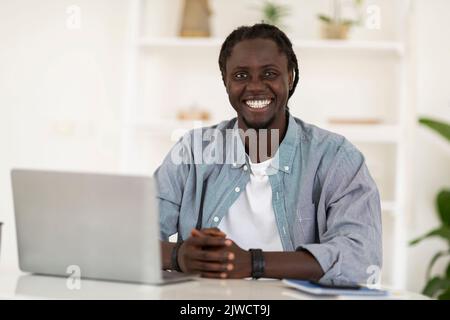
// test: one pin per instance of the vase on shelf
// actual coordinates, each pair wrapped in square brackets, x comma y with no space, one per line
[195,19]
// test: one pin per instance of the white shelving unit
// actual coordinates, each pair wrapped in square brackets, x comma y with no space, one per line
[369,46]
[392,134]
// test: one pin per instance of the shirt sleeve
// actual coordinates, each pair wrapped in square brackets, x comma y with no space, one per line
[351,241]
[171,179]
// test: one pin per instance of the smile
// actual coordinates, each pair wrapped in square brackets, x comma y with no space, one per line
[258,104]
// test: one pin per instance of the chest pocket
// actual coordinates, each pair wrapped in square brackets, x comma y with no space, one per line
[307,220]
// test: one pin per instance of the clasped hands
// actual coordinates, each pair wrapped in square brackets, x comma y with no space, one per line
[209,253]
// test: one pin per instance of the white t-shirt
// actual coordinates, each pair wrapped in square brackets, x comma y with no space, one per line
[250,221]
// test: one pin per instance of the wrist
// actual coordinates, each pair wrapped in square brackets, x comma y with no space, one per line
[248,265]
[257,263]
[175,257]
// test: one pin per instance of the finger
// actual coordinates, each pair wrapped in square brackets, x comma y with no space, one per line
[202,266]
[214,232]
[213,256]
[214,275]
[196,233]
[209,241]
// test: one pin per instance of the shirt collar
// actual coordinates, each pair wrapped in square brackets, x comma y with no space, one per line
[284,156]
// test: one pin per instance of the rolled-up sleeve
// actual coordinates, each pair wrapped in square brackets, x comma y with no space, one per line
[349,221]
[171,179]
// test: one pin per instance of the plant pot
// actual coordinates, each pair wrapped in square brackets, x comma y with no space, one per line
[335,31]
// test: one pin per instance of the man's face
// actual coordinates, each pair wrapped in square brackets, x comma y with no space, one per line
[257,80]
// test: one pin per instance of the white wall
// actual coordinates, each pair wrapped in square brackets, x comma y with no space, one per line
[431,158]
[60,91]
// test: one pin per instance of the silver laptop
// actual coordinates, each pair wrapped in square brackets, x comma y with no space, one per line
[97,225]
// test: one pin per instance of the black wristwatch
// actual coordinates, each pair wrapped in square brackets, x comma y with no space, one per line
[258,264]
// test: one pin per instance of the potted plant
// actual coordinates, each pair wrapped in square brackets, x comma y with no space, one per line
[439,286]
[273,13]
[335,26]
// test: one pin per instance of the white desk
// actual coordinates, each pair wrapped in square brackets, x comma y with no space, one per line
[17,285]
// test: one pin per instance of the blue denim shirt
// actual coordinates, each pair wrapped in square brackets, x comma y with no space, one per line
[323,196]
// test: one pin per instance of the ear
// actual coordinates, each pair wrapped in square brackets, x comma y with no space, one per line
[225,85]
[224,81]
[291,79]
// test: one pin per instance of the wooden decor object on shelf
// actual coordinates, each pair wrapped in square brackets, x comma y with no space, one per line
[195,19]
[354,121]
[193,114]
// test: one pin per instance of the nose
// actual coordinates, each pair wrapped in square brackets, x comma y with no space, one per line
[255,84]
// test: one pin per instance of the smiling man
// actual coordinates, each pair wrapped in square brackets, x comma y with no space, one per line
[290,200]
[258,80]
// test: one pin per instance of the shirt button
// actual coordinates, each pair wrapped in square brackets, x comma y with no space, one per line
[237,189]
[245,168]
[216,219]
[286,168]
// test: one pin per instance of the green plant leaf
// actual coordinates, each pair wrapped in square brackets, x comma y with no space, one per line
[440,127]
[324,18]
[435,285]
[274,13]
[433,261]
[443,206]
[443,232]
[445,295]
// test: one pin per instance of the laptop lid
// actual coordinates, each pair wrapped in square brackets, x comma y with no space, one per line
[107,226]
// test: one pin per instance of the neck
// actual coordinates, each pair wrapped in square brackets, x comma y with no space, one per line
[267,139]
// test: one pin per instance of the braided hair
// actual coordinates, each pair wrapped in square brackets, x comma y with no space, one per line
[260,31]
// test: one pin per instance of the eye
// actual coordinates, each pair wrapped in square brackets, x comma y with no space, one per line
[240,76]
[269,74]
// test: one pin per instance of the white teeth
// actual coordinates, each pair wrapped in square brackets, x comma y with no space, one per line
[257,104]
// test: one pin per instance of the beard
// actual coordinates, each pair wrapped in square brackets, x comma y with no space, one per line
[257,126]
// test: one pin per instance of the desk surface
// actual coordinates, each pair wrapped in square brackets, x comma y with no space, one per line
[17,285]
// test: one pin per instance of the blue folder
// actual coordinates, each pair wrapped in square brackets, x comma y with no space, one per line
[316,289]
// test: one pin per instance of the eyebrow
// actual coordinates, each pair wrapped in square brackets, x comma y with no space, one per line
[264,66]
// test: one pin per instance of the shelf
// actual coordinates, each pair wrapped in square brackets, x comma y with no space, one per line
[168,124]
[180,42]
[349,45]
[168,128]
[379,133]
